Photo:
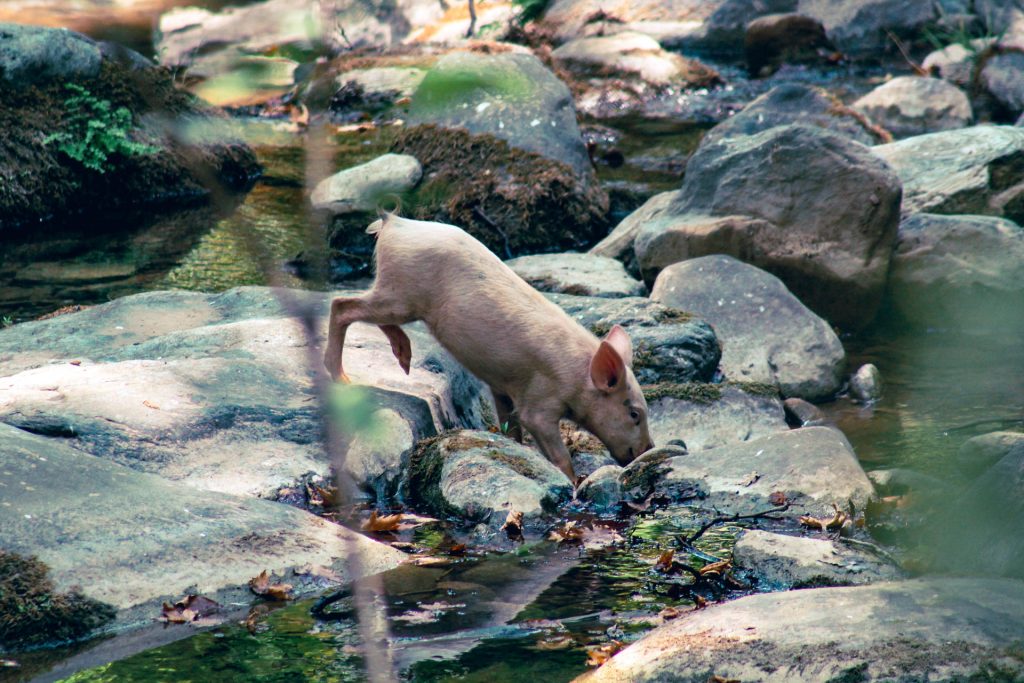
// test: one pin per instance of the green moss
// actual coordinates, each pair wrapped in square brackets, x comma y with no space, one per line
[426,463]
[444,89]
[643,356]
[32,612]
[516,463]
[513,201]
[756,388]
[673,315]
[695,392]
[639,479]
[600,329]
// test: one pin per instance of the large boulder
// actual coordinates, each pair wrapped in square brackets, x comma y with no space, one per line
[366,187]
[483,476]
[805,187]
[948,629]
[217,390]
[583,274]
[767,335]
[619,242]
[791,103]
[971,170]
[632,55]
[502,155]
[669,344]
[979,453]
[859,27]
[788,38]
[132,539]
[710,415]
[814,467]
[959,271]
[912,105]
[158,144]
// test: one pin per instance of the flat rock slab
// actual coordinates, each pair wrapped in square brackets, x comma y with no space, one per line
[215,390]
[767,334]
[582,274]
[130,538]
[960,171]
[711,415]
[781,561]
[934,629]
[814,466]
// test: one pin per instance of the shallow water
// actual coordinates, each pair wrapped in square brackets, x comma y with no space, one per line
[940,389]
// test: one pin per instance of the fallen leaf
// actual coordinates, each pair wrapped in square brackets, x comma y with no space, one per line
[669,613]
[327,496]
[716,568]
[150,404]
[75,362]
[599,655]
[570,532]
[826,524]
[777,498]
[699,602]
[382,524]
[723,679]
[188,609]
[750,479]
[172,614]
[513,526]
[664,563]
[260,585]
[458,549]
[402,101]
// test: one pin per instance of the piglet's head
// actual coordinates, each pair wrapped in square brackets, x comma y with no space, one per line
[616,409]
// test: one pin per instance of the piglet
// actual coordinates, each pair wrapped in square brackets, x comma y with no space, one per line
[537,360]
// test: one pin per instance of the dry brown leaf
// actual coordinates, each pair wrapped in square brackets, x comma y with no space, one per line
[172,614]
[664,563]
[570,532]
[327,496]
[260,585]
[75,362]
[513,526]
[826,524]
[380,524]
[699,602]
[716,568]
[750,479]
[599,655]
[458,549]
[188,609]
[150,404]
[669,613]
[777,498]
[723,679]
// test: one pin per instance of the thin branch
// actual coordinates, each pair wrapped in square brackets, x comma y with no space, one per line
[472,19]
[683,540]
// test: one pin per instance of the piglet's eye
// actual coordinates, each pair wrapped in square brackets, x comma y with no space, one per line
[635,416]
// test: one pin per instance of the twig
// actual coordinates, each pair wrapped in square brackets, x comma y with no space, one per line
[906,56]
[871,547]
[472,19]
[683,540]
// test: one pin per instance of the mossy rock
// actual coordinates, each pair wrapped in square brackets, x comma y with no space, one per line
[33,613]
[515,202]
[196,152]
[640,478]
[480,476]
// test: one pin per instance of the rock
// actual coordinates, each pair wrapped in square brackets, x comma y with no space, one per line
[898,481]
[1001,17]
[502,155]
[866,384]
[619,243]
[378,455]
[632,55]
[912,105]
[715,26]
[955,62]
[960,171]
[791,103]
[980,452]
[132,539]
[482,476]
[777,39]
[785,562]
[815,467]
[944,628]
[31,55]
[220,385]
[394,81]
[767,335]
[668,240]
[859,27]
[602,487]
[669,345]
[144,160]
[959,272]
[510,96]
[367,186]
[800,413]
[839,273]
[984,521]
[582,274]
[1002,79]
[586,463]
[710,415]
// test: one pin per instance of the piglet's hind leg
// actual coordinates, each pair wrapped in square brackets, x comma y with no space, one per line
[400,345]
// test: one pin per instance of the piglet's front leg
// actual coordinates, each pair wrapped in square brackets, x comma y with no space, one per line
[549,439]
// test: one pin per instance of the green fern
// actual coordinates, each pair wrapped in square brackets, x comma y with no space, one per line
[94,131]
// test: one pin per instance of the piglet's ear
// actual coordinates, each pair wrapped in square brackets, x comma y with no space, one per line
[607,369]
[620,341]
